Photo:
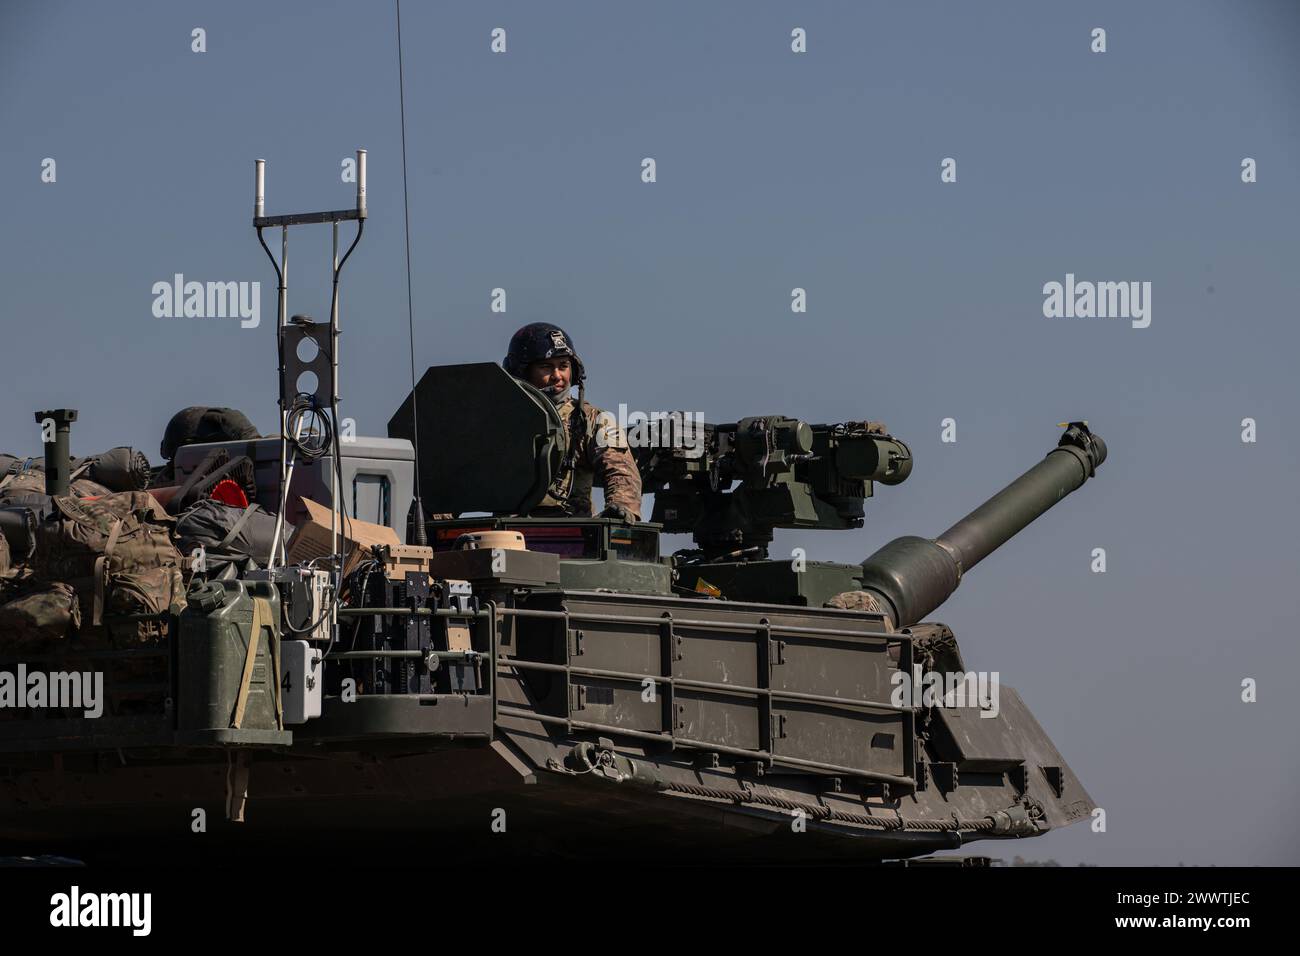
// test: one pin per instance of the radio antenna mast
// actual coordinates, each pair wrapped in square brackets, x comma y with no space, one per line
[421,535]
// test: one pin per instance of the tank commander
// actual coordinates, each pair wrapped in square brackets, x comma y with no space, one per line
[542,355]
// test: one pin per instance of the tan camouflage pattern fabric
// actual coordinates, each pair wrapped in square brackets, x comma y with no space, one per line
[28,483]
[39,617]
[85,488]
[855,601]
[141,575]
[602,459]
[33,483]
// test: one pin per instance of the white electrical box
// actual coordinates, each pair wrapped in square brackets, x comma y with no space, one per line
[318,599]
[302,676]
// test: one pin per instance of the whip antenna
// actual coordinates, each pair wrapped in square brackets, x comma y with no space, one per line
[421,535]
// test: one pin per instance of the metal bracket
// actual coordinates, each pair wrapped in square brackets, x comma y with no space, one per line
[1018,777]
[309,218]
[778,726]
[945,776]
[303,329]
[1055,779]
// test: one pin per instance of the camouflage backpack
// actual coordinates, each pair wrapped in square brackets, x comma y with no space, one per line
[36,617]
[33,483]
[117,554]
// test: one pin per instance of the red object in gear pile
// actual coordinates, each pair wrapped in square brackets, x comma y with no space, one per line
[229,493]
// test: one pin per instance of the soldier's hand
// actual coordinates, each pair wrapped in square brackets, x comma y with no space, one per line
[618,511]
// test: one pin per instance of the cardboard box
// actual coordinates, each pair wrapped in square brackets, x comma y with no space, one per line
[406,557]
[311,539]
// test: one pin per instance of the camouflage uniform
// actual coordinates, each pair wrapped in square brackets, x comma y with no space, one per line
[602,457]
[597,451]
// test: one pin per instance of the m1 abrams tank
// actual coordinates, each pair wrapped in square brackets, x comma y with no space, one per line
[504,685]
[556,685]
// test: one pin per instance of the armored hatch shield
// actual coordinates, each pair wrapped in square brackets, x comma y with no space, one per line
[487,441]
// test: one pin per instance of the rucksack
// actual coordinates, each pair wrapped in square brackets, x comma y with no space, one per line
[32,482]
[116,553]
[37,617]
[224,531]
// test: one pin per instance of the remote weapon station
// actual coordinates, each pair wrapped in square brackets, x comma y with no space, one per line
[517,684]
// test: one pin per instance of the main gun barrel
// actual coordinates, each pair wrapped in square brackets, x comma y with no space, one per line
[912,576]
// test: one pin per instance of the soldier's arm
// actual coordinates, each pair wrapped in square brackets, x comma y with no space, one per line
[613,466]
